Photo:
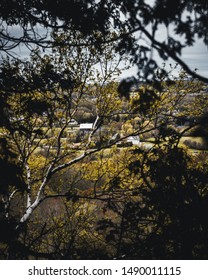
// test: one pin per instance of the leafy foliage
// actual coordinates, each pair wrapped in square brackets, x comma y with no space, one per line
[165,220]
[67,200]
[137,23]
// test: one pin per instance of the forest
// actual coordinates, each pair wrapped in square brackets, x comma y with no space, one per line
[95,166]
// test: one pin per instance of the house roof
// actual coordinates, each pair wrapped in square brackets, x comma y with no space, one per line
[116,136]
[133,138]
[86,125]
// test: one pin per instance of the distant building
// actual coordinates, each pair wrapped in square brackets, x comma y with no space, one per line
[135,140]
[84,129]
[115,137]
[86,126]
[73,122]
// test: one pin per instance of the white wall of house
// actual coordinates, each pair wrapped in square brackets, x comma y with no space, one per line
[135,140]
[86,126]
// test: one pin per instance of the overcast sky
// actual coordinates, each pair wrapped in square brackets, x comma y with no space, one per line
[195,57]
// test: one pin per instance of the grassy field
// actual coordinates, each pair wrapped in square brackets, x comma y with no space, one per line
[192,142]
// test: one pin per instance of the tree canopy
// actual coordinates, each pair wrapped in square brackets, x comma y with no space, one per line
[72,190]
[138,24]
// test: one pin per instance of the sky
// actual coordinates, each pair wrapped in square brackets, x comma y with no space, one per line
[195,57]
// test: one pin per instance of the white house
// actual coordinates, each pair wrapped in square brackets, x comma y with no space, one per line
[73,122]
[86,126]
[135,140]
